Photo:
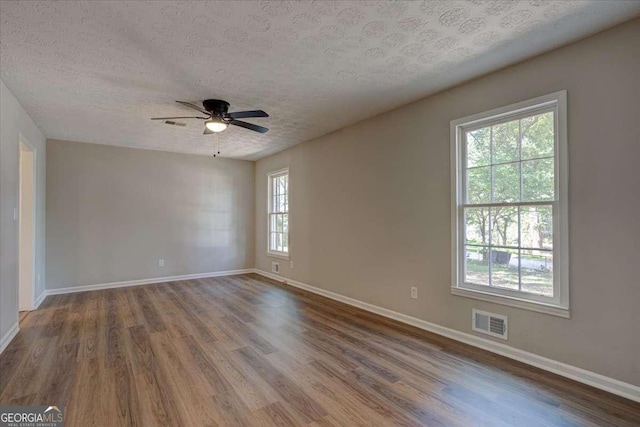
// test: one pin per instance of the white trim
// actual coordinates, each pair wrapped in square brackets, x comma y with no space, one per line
[270,176]
[558,305]
[73,289]
[593,379]
[278,255]
[277,172]
[10,335]
[34,203]
[40,299]
[512,109]
[511,301]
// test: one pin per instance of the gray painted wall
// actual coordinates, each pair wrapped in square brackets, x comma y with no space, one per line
[115,211]
[370,205]
[14,121]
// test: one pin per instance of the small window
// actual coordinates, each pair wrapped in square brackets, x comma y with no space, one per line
[278,213]
[510,215]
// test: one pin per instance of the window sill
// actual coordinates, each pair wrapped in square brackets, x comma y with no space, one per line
[278,255]
[553,310]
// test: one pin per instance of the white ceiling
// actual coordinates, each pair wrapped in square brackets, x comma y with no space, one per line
[97,71]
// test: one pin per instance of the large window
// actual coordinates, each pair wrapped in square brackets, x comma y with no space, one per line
[510,215]
[279,213]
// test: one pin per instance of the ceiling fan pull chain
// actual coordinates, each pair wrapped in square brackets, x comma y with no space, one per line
[216,144]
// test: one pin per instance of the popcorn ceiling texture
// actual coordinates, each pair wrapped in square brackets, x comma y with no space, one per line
[96,71]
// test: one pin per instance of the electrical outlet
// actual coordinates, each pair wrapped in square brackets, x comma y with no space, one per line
[275,267]
[291,265]
[414,292]
[160,262]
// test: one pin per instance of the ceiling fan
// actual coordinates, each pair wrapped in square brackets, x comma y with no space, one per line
[218,118]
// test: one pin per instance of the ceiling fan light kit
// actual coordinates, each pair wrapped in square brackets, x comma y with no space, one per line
[215,125]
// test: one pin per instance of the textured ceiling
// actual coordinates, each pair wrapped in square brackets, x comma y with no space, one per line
[97,71]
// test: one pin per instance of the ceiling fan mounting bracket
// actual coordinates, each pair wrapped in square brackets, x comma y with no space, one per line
[217,107]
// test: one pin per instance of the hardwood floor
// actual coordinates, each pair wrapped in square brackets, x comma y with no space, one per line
[245,350]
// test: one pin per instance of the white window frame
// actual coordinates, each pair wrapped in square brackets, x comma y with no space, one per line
[270,177]
[557,305]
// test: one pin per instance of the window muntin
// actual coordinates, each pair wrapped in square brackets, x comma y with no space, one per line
[509,194]
[278,237]
[510,214]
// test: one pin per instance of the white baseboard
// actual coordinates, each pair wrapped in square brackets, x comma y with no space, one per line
[6,338]
[38,301]
[593,379]
[73,289]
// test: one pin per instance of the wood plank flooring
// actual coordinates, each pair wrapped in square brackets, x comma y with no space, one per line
[245,350]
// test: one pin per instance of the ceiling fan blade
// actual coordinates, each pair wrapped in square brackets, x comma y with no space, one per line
[245,114]
[195,107]
[207,131]
[250,126]
[171,118]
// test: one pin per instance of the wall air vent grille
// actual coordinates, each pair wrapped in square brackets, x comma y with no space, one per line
[172,123]
[489,323]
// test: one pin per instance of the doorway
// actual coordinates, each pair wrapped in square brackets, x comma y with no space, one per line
[26,226]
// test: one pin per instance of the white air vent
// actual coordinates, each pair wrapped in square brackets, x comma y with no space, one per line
[275,267]
[489,323]
[172,123]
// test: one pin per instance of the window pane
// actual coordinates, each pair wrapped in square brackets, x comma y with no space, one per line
[476,265]
[537,180]
[479,185]
[509,168]
[536,229]
[504,226]
[537,272]
[504,268]
[477,225]
[278,220]
[537,136]
[272,223]
[505,142]
[506,183]
[478,151]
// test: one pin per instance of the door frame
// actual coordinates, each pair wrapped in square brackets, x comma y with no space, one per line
[22,140]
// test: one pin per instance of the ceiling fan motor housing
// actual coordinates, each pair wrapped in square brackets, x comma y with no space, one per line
[216,107]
